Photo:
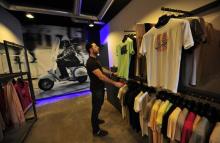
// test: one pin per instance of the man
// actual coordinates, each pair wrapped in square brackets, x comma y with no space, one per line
[66,59]
[97,79]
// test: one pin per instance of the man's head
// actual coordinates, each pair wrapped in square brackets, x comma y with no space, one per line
[92,48]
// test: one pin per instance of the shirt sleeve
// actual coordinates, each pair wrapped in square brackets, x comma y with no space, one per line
[92,66]
[187,36]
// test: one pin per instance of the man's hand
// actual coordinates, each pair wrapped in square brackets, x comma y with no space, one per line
[114,74]
[118,84]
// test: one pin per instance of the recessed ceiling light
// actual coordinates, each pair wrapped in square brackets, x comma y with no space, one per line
[91,25]
[29,15]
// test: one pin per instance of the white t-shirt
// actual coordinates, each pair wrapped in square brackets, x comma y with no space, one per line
[140,101]
[163,48]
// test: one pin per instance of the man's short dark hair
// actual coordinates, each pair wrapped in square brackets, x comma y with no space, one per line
[88,46]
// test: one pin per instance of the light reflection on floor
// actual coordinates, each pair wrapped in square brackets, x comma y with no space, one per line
[41,102]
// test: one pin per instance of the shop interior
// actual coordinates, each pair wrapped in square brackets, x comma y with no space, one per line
[166,54]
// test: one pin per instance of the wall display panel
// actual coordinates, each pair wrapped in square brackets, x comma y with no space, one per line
[57,57]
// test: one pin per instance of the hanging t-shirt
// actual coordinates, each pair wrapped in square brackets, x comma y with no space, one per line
[215,138]
[124,51]
[180,124]
[139,106]
[188,127]
[163,48]
[172,122]
[121,95]
[201,131]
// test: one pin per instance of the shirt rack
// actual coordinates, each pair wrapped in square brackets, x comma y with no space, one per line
[18,135]
[195,11]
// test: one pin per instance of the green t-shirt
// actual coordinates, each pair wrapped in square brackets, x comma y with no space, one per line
[124,52]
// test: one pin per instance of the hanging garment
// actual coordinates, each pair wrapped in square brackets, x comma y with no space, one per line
[2,127]
[197,120]
[23,94]
[153,116]
[209,65]
[14,105]
[160,114]
[129,102]
[165,120]
[140,31]
[4,110]
[121,95]
[141,65]
[192,56]
[147,114]
[180,124]
[163,48]
[124,52]
[201,131]
[172,122]
[139,106]
[215,138]
[132,67]
[188,127]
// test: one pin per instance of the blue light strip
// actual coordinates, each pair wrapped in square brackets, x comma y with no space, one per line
[57,98]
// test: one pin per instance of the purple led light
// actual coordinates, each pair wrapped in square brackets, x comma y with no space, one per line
[104,32]
[58,98]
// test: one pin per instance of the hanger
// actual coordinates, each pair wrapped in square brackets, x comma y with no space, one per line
[20,81]
[163,20]
[190,105]
[124,38]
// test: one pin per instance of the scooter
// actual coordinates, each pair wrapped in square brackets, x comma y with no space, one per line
[46,82]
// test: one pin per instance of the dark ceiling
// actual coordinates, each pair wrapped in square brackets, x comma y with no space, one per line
[89,7]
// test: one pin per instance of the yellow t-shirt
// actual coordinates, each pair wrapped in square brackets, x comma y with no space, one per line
[172,121]
[160,114]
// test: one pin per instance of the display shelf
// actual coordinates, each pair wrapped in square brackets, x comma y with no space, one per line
[17,135]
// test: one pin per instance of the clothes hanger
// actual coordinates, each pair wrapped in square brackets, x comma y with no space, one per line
[163,20]
[190,104]
[124,38]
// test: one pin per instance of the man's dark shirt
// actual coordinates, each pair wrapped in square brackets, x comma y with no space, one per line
[95,82]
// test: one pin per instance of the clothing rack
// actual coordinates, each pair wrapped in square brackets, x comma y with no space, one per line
[175,10]
[195,11]
[129,31]
[16,135]
[208,96]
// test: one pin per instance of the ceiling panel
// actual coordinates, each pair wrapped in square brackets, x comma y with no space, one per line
[89,7]
[44,19]
[92,7]
[116,7]
[66,5]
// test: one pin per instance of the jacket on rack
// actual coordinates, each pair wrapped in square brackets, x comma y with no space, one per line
[13,105]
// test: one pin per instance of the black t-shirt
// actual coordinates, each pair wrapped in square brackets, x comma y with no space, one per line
[95,82]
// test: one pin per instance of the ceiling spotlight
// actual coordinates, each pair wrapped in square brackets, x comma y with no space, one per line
[91,24]
[29,15]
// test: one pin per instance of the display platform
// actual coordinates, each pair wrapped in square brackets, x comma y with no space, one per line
[60,88]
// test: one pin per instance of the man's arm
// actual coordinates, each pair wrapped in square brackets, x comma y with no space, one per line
[106,71]
[104,78]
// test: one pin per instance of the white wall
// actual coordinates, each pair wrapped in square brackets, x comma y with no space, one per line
[10,28]
[142,11]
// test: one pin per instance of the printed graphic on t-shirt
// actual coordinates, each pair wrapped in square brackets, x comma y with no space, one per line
[124,50]
[162,42]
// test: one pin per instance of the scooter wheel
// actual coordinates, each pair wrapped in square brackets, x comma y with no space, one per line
[82,79]
[45,84]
